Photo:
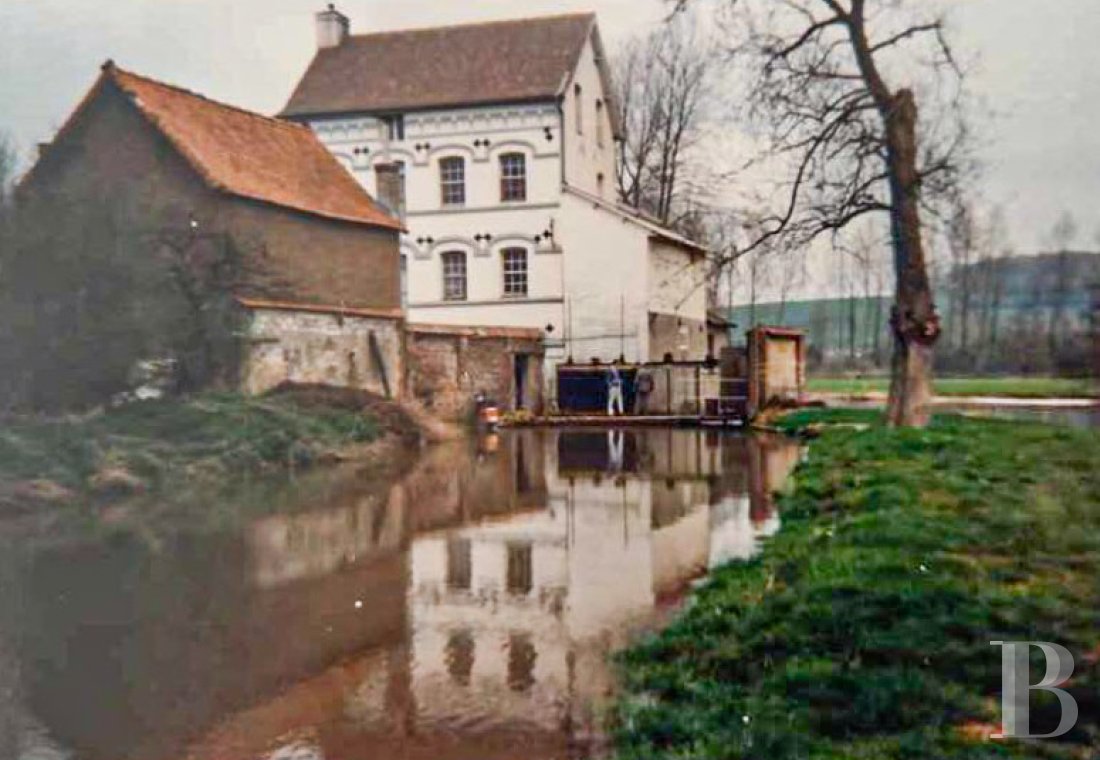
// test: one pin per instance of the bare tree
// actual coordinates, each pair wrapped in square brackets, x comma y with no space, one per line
[1062,236]
[8,161]
[962,241]
[662,82]
[822,94]
[790,273]
[989,283]
[90,289]
[864,250]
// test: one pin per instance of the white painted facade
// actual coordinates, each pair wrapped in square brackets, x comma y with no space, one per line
[595,270]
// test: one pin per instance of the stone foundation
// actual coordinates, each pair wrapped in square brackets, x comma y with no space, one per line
[348,349]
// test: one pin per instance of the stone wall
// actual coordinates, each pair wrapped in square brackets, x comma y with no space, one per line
[328,348]
[448,366]
[685,339]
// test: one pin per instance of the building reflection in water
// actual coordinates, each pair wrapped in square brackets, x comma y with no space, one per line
[555,559]
[464,611]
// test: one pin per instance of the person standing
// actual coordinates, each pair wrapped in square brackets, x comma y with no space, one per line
[614,391]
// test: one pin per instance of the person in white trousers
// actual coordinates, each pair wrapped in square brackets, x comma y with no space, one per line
[614,391]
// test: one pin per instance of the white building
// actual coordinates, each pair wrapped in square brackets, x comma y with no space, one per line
[496,142]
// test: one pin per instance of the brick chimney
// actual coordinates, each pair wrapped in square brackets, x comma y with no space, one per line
[332,28]
[390,182]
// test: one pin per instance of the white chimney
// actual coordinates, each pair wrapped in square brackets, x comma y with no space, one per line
[332,27]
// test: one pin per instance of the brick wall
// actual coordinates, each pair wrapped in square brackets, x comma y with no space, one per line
[305,259]
[447,367]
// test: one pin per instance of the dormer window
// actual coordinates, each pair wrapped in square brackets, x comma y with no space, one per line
[578,106]
[452,181]
[395,127]
[513,178]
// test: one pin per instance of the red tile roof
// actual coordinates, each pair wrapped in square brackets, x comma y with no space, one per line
[497,62]
[249,155]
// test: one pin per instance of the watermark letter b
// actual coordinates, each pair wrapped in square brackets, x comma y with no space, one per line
[1016,688]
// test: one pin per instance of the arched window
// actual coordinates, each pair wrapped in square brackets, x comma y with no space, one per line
[578,105]
[454,276]
[515,272]
[452,181]
[513,177]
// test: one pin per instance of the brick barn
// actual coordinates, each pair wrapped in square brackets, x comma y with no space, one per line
[320,291]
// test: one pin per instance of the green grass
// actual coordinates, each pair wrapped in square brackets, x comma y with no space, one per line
[1015,387]
[863,630]
[162,442]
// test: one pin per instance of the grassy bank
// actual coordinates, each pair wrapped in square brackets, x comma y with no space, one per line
[1012,387]
[150,446]
[863,630]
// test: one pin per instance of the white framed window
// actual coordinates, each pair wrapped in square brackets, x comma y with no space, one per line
[454,276]
[452,181]
[515,272]
[513,178]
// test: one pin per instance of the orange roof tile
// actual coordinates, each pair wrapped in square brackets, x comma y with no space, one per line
[252,156]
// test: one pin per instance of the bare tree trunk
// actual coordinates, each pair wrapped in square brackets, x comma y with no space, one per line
[914,321]
[995,312]
[878,323]
[852,326]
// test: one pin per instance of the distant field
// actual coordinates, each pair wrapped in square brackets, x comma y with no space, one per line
[1015,387]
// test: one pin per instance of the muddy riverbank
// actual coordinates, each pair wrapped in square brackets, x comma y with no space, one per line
[146,450]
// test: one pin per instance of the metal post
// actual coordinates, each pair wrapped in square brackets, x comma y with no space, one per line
[622,326]
[668,389]
[698,390]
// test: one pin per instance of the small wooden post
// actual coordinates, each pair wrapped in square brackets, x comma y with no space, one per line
[668,389]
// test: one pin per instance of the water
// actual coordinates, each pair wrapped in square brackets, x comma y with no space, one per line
[463,609]
[1084,417]
[1081,417]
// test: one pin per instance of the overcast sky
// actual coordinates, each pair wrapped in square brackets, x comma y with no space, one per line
[1039,66]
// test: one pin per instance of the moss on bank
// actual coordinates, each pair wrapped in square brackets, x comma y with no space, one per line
[156,444]
[863,630]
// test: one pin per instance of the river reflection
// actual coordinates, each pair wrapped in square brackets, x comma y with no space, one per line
[464,610]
